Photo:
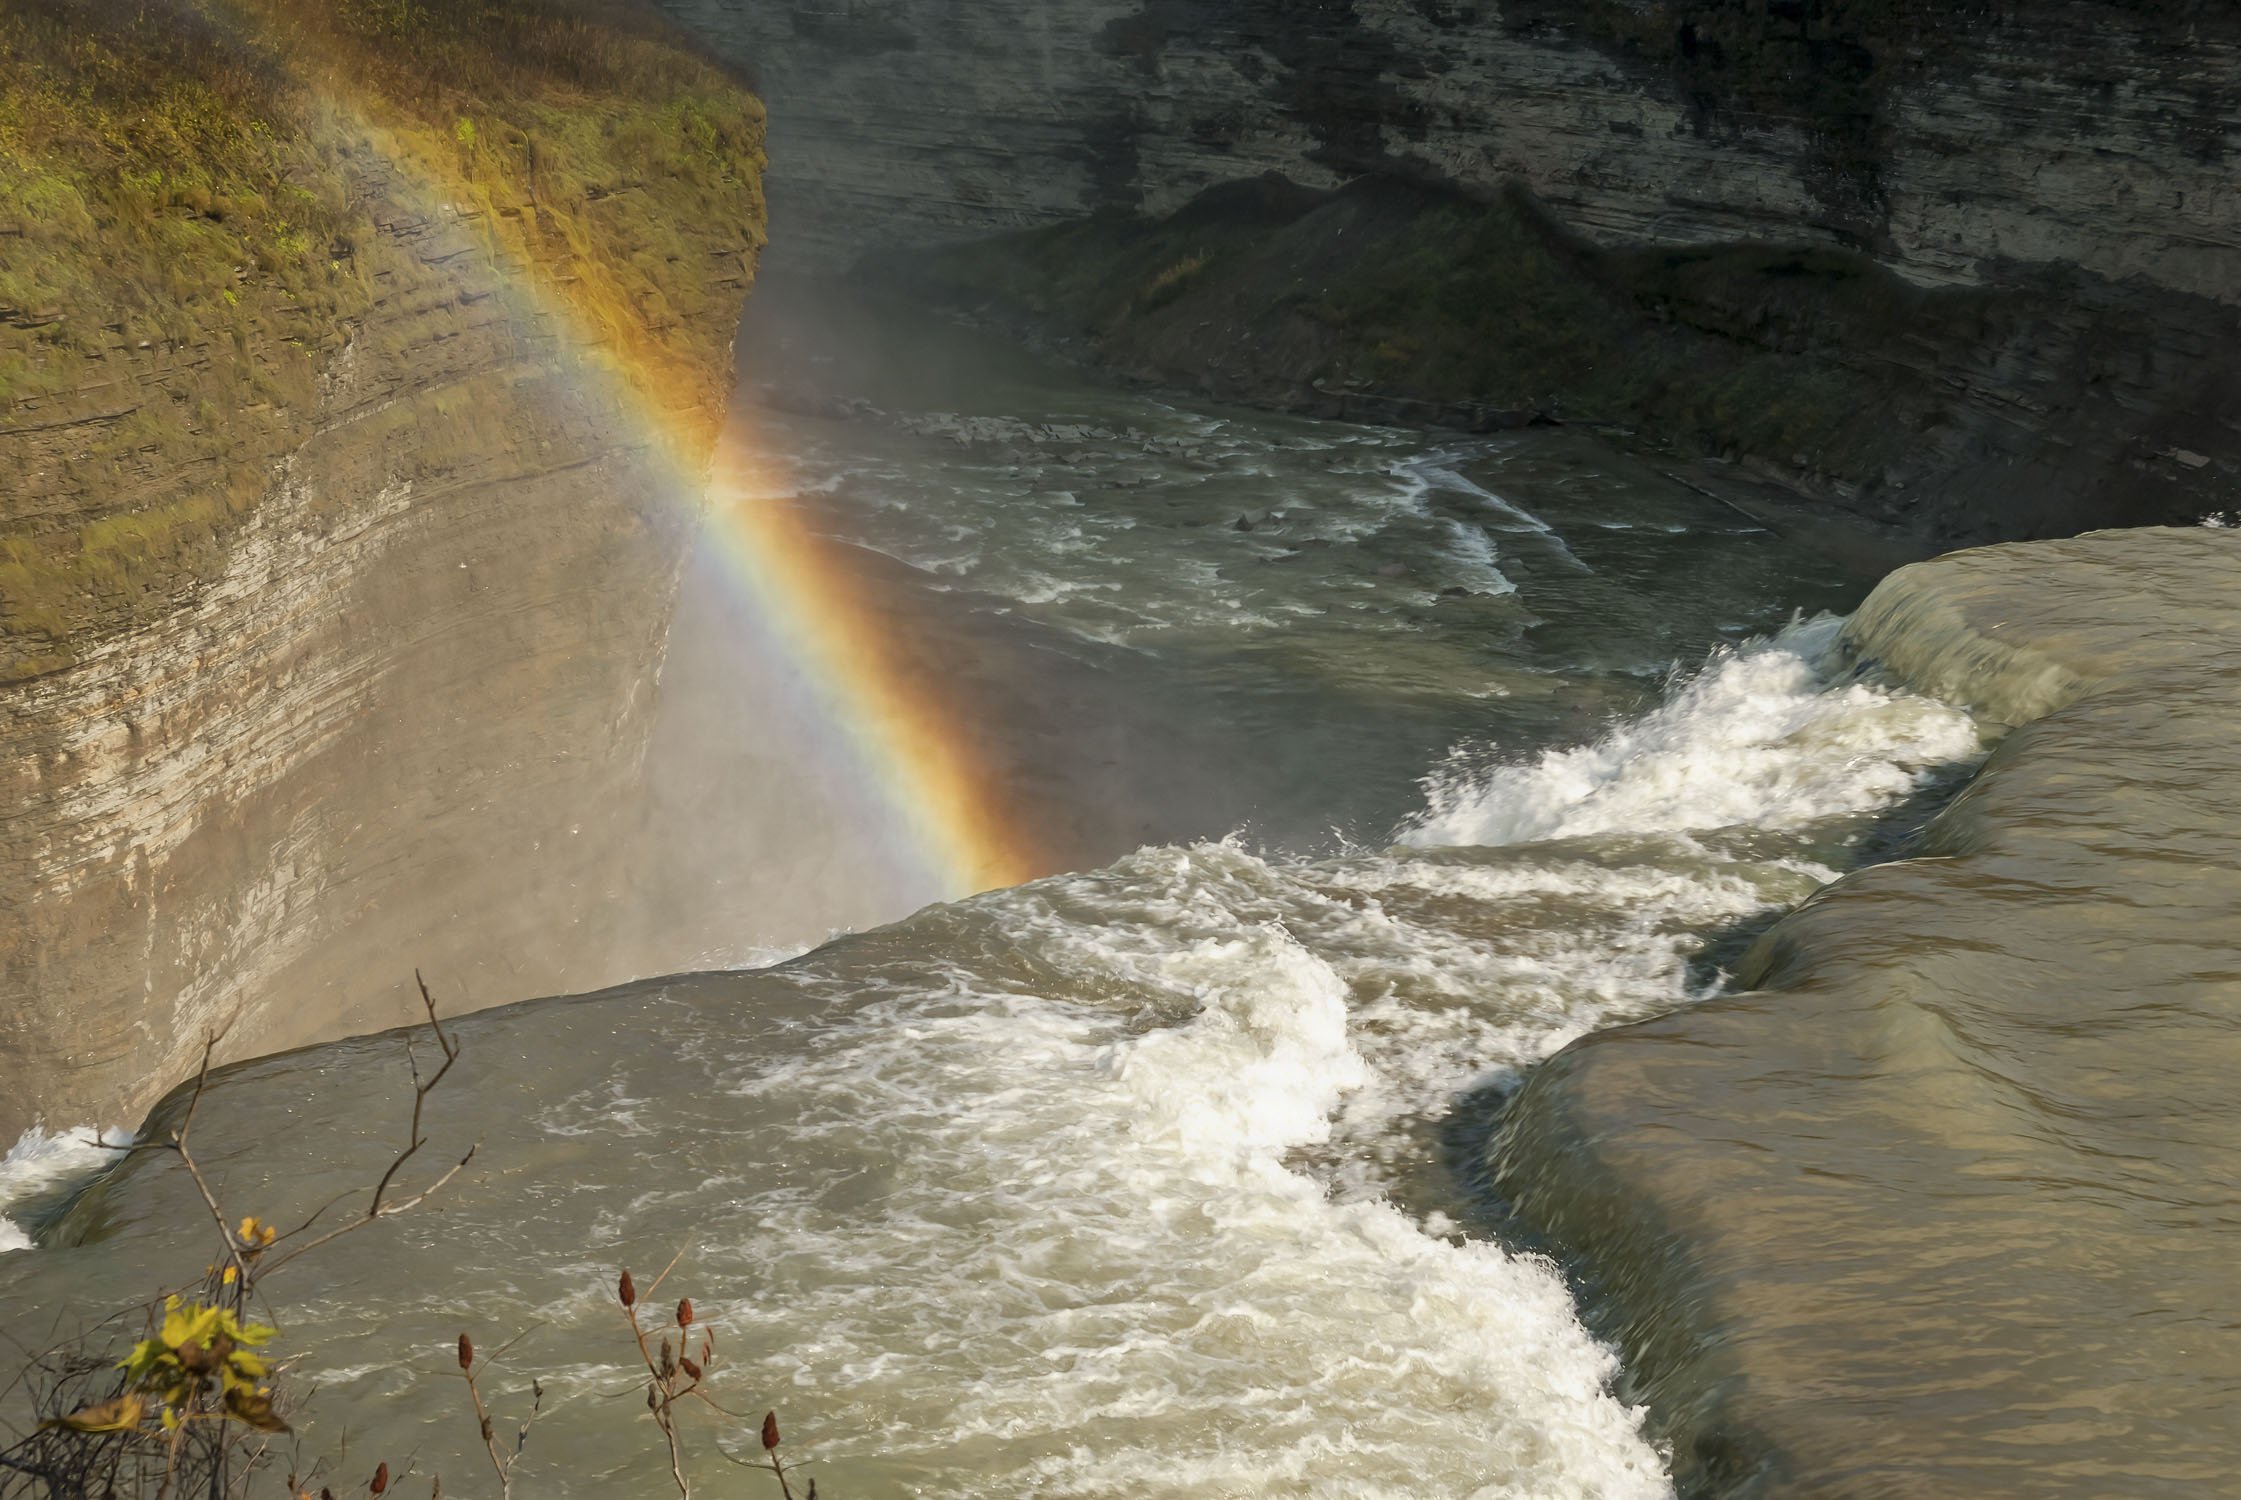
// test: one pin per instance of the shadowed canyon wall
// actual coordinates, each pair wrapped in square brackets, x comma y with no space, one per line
[1973,272]
[351,437]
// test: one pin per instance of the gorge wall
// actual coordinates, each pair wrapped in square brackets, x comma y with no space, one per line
[338,551]
[1968,271]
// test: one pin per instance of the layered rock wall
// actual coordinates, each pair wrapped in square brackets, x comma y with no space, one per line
[2064,132]
[387,710]
[2021,272]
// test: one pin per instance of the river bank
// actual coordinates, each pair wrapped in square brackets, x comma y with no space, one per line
[1941,1197]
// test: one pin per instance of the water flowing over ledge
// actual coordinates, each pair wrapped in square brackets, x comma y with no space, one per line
[1944,1197]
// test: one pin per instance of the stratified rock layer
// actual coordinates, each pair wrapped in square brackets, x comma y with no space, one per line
[386,710]
[2057,131]
[2005,305]
[1945,1201]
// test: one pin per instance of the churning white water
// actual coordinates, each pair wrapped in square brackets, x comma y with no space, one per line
[1115,1278]
[1141,1208]
[1134,1182]
[1757,740]
[39,1163]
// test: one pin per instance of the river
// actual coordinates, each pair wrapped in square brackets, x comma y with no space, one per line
[1377,765]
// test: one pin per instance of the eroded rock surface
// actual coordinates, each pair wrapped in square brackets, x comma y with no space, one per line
[1943,1201]
[1968,272]
[383,705]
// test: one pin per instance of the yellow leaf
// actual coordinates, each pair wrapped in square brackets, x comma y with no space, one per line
[120,1415]
[254,1408]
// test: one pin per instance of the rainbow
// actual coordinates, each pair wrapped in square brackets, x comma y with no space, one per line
[901,732]
[949,817]
[808,603]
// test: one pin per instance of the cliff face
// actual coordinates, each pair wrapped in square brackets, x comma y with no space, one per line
[2008,277]
[343,662]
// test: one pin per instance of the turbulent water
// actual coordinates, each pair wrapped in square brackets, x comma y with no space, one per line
[1146,1180]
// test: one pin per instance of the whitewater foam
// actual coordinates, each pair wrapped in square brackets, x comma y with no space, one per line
[1119,1281]
[1759,737]
[38,1163]
[1130,1182]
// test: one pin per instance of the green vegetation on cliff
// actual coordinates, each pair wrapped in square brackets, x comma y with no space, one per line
[193,197]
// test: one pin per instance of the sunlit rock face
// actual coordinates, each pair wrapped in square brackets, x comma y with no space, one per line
[2027,285]
[399,721]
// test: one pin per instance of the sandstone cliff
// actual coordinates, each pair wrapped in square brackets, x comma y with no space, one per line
[338,550]
[1969,271]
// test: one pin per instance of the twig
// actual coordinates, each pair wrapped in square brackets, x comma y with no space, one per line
[178,1143]
[659,1404]
[379,1207]
[665,1270]
[502,1464]
[388,1211]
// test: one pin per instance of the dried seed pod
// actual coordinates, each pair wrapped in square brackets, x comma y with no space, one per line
[486,1429]
[770,1431]
[685,1313]
[380,1480]
[653,1402]
[466,1352]
[625,1290]
[707,1351]
[668,1360]
[690,1368]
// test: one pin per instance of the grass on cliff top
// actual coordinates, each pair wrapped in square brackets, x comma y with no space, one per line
[147,155]
[594,144]
[183,246]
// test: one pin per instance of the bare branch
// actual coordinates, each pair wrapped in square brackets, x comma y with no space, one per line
[702,1395]
[499,1353]
[489,1443]
[382,1211]
[420,1091]
[665,1270]
[379,1207]
[317,1214]
[659,1404]
[186,1157]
